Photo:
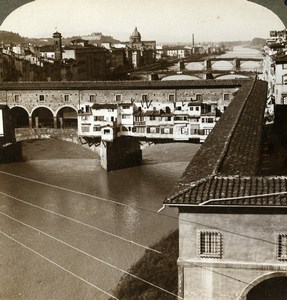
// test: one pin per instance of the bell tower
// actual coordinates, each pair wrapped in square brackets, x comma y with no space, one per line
[57,45]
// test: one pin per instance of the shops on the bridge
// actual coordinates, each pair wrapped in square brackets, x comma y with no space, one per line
[179,121]
[174,110]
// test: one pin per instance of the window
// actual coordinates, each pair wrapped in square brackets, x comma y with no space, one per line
[152,130]
[126,116]
[152,118]
[66,98]
[97,128]
[183,130]
[85,128]
[284,99]
[144,97]
[194,120]
[284,66]
[171,97]
[17,98]
[140,129]
[126,107]
[210,244]
[166,130]
[99,118]
[118,98]
[41,98]
[106,131]
[282,246]
[87,108]
[92,98]
[198,97]
[226,97]
[139,119]
[197,108]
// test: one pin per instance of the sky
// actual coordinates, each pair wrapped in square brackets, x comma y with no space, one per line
[159,20]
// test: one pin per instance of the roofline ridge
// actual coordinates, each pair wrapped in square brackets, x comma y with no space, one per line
[189,187]
[229,137]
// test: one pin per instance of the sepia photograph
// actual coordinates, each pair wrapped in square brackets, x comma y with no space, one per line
[143,150]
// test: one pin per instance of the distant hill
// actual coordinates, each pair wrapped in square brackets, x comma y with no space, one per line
[7,37]
[258,42]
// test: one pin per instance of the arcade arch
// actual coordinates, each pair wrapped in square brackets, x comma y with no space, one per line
[20,117]
[268,287]
[67,117]
[42,117]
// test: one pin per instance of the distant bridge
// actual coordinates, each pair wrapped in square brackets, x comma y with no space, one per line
[200,74]
[235,64]
[208,68]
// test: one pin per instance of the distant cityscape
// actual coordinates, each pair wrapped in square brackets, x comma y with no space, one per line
[91,57]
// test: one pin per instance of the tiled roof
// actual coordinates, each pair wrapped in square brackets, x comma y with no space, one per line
[237,191]
[121,85]
[232,150]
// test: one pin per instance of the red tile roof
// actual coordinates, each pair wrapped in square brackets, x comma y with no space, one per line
[227,164]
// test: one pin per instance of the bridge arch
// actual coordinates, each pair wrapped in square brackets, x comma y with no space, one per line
[42,116]
[251,65]
[267,287]
[231,76]
[222,65]
[181,77]
[196,65]
[20,116]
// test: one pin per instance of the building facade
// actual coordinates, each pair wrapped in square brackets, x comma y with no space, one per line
[175,110]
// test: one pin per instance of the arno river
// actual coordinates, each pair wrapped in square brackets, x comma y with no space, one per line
[69,230]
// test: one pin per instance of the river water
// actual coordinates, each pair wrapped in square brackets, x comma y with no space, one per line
[63,209]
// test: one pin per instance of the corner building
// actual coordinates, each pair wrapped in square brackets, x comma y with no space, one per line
[232,219]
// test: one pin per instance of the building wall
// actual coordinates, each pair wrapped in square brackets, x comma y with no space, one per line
[1,65]
[241,262]
[54,98]
[146,99]
[281,84]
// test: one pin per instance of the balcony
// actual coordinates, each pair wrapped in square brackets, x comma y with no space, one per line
[140,123]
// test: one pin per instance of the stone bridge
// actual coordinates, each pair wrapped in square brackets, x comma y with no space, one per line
[69,135]
[235,62]
[205,69]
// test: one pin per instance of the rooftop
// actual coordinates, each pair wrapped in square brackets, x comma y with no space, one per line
[227,168]
[121,85]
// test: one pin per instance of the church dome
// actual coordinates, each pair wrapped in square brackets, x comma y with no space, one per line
[135,36]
